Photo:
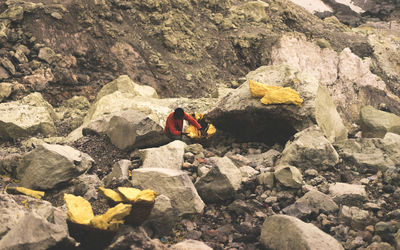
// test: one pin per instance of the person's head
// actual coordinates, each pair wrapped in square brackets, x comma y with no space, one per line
[179,113]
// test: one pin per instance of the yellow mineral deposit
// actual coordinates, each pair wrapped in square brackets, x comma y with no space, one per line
[112,218]
[30,192]
[146,196]
[194,133]
[79,210]
[274,94]
[111,194]
[129,193]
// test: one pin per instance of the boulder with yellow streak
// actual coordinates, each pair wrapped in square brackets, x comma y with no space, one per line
[274,94]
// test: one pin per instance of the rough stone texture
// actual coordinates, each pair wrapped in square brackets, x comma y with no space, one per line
[376,123]
[245,116]
[248,172]
[380,246]
[28,117]
[266,159]
[221,182]
[344,73]
[309,149]
[397,239]
[5,90]
[370,155]
[347,194]
[286,232]
[163,217]
[289,176]
[119,171]
[267,179]
[190,244]
[48,55]
[313,202]
[174,184]
[355,217]
[49,165]
[34,232]
[134,238]
[167,156]
[128,129]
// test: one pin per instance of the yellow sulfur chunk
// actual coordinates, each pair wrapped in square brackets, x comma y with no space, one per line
[30,192]
[129,193]
[147,196]
[275,94]
[79,210]
[111,194]
[112,218]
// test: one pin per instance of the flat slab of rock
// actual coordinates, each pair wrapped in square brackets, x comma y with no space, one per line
[376,123]
[286,232]
[167,156]
[347,194]
[49,165]
[174,184]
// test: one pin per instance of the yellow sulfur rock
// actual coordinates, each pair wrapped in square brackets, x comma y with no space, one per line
[146,196]
[129,193]
[194,133]
[275,94]
[79,210]
[111,194]
[112,218]
[30,192]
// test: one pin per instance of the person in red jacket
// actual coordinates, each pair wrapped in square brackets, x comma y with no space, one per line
[173,127]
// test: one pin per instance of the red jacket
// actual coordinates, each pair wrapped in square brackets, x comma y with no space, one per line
[174,126]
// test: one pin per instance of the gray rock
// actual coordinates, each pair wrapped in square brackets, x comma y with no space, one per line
[134,238]
[376,123]
[312,202]
[28,117]
[194,148]
[86,186]
[119,171]
[286,232]
[289,176]
[397,239]
[172,183]
[380,246]
[347,194]
[163,217]
[3,73]
[167,156]
[355,217]
[371,155]
[7,64]
[248,172]
[190,244]
[34,232]
[309,149]
[221,182]
[5,90]
[266,159]
[49,165]
[267,179]
[48,55]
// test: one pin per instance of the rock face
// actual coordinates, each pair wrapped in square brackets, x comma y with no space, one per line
[49,165]
[376,123]
[347,194]
[289,176]
[309,149]
[244,116]
[28,117]
[221,182]
[174,184]
[286,232]
[313,202]
[370,155]
[168,156]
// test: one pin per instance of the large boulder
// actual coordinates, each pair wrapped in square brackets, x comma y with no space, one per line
[347,194]
[349,79]
[128,129]
[246,117]
[313,202]
[174,184]
[371,155]
[289,176]
[221,182]
[29,116]
[167,156]
[309,149]
[49,165]
[286,232]
[376,123]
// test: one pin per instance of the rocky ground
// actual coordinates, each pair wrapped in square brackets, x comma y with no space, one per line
[85,87]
